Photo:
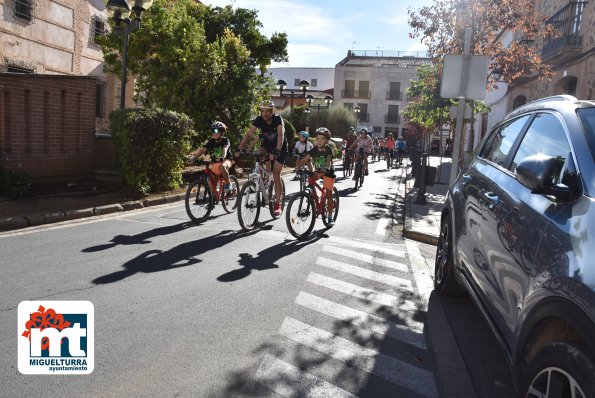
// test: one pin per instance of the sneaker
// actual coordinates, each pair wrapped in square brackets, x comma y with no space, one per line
[277,210]
[331,222]
[366,173]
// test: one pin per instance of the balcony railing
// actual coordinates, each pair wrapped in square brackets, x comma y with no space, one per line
[364,117]
[394,95]
[391,118]
[356,94]
[568,41]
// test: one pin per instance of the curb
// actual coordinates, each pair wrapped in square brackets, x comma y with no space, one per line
[421,237]
[36,219]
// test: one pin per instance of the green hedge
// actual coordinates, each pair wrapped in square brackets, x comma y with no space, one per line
[152,145]
[14,183]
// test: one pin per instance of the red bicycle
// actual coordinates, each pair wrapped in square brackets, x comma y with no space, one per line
[207,190]
[306,205]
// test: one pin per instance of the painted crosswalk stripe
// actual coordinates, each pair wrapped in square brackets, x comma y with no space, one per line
[361,321]
[366,294]
[365,273]
[391,369]
[353,243]
[289,381]
[366,258]
[385,219]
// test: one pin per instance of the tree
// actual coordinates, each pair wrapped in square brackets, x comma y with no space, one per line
[201,61]
[441,26]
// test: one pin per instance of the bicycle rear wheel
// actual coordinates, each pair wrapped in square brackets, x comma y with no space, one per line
[335,208]
[357,172]
[272,200]
[198,200]
[230,199]
[300,215]
[248,206]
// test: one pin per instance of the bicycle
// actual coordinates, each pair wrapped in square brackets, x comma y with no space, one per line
[206,191]
[347,164]
[305,206]
[399,159]
[358,171]
[389,158]
[257,192]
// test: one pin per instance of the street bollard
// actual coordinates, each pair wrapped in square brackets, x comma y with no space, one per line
[421,190]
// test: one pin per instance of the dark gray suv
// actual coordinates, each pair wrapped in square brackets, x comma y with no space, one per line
[517,234]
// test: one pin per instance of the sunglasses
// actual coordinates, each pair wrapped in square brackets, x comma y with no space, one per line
[216,131]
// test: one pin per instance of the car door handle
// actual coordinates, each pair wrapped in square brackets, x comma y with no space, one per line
[466,178]
[492,199]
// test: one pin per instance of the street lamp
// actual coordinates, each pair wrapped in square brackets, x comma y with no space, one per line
[283,84]
[119,11]
[304,84]
[328,101]
[356,110]
[307,112]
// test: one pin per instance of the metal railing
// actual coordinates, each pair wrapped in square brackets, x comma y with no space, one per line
[394,95]
[391,118]
[389,53]
[567,23]
[356,94]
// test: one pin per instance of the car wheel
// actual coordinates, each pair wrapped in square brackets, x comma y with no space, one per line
[445,281]
[560,370]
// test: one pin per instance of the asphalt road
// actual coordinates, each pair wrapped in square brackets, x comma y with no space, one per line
[211,311]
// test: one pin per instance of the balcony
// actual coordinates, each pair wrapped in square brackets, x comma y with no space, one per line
[356,94]
[364,117]
[392,119]
[568,42]
[394,95]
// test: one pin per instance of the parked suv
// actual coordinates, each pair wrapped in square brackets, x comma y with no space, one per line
[518,232]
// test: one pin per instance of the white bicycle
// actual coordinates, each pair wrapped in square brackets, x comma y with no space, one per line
[258,191]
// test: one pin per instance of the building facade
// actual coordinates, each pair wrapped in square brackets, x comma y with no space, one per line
[376,84]
[571,53]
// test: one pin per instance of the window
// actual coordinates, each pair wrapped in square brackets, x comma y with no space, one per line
[296,82]
[395,91]
[519,101]
[393,114]
[349,91]
[98,25]
[501,142]
[18,69]
[544,136]
[23,9]
[314,82]
[377,129]
[100,99]
[364,89]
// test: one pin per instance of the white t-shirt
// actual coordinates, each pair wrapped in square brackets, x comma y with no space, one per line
[302,147]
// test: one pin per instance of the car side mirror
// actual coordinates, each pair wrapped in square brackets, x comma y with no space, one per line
[539,173]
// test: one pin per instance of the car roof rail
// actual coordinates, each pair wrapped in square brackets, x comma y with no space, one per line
[533,104]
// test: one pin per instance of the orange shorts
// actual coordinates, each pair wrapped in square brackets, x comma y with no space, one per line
[215,168]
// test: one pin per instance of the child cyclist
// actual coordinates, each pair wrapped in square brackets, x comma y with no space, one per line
[322,159]
[218,147]
[301,148]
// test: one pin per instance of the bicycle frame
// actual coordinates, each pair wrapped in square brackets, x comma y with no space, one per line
[261,177]
[318,200]
[213,180]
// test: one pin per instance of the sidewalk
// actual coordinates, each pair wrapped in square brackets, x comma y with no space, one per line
[422,221]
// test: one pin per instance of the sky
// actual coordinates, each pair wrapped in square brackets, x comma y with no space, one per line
[321,32]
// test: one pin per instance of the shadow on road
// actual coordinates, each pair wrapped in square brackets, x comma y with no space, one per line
[180,256]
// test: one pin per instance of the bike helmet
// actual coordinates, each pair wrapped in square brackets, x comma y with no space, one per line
[266,105]
[363,130]
[351,129]
[324,131]
[305,134]
[218,127]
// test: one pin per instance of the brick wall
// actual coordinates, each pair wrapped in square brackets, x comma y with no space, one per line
[47,125]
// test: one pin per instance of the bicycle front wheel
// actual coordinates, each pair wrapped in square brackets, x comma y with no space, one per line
[335,212]
[300,215]
[357,172]
[230,199]
[198,200]
[248,206]
[272,199]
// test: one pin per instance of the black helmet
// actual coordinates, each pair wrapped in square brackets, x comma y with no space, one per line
[218,127]
[324,131]
[363,130]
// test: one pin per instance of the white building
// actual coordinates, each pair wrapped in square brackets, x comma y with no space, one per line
[320,79]
[377,85]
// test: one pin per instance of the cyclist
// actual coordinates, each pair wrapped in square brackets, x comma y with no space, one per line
[348,141]
[219,148]
[390,146]
[322,159]
[272,141]
[364,146]
[301,148]
[401,149]
[382,144]
[375,149]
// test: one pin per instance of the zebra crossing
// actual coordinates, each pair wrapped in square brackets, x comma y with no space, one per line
[358,314]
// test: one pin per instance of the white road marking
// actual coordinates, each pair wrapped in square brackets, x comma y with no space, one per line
[290,381]
[365,273]
[361,321]
[423,278]
[354,244]
[366,258]
[391,369]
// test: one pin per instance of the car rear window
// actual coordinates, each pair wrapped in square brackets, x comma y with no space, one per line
[498,149]
[587,117]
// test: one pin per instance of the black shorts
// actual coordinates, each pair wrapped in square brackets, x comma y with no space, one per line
[282,156]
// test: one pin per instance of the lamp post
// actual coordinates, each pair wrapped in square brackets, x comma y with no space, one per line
[307,112]
[356,110]
[304,84]
[283,84]
[119,11]
[328,100]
